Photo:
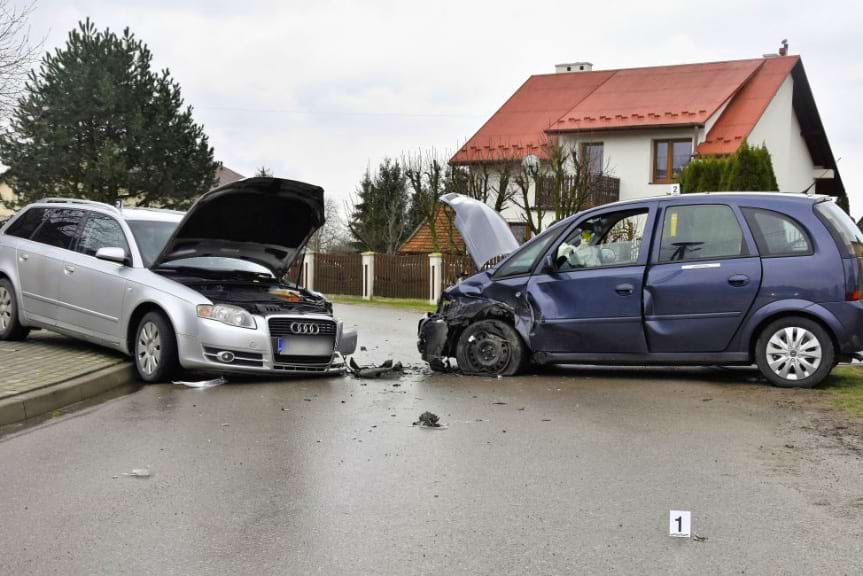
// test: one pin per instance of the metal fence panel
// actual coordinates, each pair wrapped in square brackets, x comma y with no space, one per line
[339,274]
[402,275]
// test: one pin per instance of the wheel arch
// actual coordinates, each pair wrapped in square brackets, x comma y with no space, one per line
[139,312]
[824,319]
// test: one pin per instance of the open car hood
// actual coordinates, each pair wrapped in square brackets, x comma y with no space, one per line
[485,232]
[267,221]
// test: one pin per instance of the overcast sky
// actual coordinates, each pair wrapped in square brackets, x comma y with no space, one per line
[317,91]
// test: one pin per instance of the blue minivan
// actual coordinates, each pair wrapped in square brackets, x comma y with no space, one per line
[696,279]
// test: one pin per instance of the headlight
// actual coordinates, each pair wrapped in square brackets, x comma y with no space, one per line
[227,314]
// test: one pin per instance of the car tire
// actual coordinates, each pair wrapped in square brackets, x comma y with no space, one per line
[10,321]
[795,352]
[155,348]
[490,347]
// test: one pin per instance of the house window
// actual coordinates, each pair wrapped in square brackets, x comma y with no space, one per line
[669,158]
[592,152]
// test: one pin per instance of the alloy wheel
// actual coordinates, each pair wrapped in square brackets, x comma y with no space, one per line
[149,348]
[5,309]
[793,353]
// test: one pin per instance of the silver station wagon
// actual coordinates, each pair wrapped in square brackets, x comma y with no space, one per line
[207,290]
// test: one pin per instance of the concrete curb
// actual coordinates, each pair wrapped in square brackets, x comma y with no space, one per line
[37,402]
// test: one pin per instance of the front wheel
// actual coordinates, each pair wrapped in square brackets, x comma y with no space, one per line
[795,352]
[155,348]
[490,347]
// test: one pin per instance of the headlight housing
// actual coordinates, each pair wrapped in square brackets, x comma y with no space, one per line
[227,314]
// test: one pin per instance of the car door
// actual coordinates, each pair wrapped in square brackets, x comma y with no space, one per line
[705,274]
[40,262]
[92,290]
[589,300]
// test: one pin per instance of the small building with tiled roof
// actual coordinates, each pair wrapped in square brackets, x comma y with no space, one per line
[448,238]
[642,125]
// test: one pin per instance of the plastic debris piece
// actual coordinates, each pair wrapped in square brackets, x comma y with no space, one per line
[139,473]
[388,368]
[202,383]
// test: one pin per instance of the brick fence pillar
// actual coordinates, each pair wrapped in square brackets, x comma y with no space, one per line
[368,275]
[309,271]
[435,276]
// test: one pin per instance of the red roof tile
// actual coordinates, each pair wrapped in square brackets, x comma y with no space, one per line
[744,111]
[682,95]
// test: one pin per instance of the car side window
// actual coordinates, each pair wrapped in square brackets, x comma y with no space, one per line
[605,240]
[59,228]
[27,223]
[700,232]
[776,234]
[101,231]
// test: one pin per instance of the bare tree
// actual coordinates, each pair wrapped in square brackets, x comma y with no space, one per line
[334,234]
[17,53]
[565,181]
[427,176]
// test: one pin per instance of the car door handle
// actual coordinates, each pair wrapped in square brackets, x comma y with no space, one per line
[624,289]
[738,280]
[68,269]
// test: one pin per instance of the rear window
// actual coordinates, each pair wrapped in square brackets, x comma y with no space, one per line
[699,232]
[27,223]
[842,227]
[59,228]
[776,234]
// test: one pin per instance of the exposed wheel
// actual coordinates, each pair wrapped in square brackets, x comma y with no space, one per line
[490,347]
[10,326]
[155,348]
[795,352]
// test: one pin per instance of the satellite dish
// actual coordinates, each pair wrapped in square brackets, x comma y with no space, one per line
[531,162]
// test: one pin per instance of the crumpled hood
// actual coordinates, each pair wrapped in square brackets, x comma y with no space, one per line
[485,232]
[267,221]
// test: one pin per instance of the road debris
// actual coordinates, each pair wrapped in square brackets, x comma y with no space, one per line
[698,538]
[139,473]
[386,369]
[202,383]
[429,419]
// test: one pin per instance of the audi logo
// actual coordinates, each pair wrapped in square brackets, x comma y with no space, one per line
[305,328]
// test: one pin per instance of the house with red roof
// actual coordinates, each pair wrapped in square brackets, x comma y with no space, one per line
[641,126]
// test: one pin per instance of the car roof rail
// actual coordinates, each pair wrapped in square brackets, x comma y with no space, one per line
[58,200]
[149,209]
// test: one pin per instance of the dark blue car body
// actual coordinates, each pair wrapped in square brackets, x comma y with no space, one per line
[653,310]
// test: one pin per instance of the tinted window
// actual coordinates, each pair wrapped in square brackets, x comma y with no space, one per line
[522,261]
[151,237]
[27,223]
[842,227]
[775,234]
[101,231]
[606,240]
[700,232]
[59,227]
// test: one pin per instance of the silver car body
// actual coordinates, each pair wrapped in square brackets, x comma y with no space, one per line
[102,301]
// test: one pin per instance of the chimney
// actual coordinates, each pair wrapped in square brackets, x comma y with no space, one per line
[783,50]
[573,67]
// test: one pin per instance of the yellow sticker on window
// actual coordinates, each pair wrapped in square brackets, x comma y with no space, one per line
[673,224]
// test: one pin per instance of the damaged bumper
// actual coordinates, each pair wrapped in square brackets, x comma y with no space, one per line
[280,344]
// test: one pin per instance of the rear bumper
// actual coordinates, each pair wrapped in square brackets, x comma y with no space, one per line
[846,319]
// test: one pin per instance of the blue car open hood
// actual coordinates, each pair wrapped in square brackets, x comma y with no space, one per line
[485,232]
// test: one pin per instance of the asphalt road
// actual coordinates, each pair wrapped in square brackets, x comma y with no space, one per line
[568,472]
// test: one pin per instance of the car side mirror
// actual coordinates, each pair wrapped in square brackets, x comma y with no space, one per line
[111,254]
[549,266]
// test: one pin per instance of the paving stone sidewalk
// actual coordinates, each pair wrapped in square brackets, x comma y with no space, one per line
[45,359]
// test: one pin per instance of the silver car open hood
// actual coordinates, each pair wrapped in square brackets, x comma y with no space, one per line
[485,232]
[267,221]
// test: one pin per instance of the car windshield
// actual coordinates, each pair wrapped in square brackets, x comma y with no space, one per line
[151,236]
